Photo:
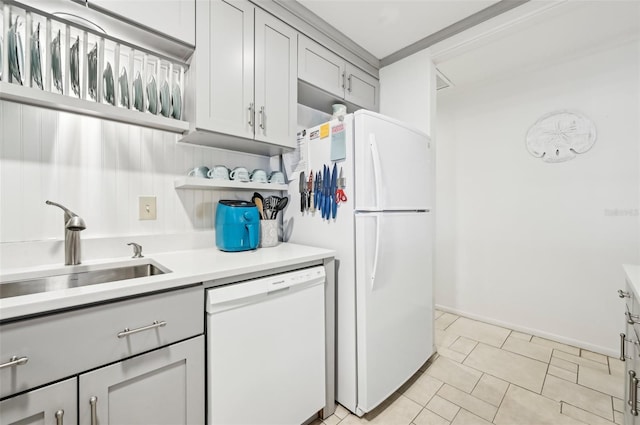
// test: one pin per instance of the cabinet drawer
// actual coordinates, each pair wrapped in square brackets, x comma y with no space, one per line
[64,344]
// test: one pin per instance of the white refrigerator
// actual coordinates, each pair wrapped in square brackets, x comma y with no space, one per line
[383,238]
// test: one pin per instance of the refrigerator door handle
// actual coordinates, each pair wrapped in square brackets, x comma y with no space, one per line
[376,252]
[375,156]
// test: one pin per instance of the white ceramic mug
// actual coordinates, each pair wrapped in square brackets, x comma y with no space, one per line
[276,177]
[258,176]
[219,172]
[239,174]
[199,172]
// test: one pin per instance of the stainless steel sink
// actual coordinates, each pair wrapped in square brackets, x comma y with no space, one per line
[76,279]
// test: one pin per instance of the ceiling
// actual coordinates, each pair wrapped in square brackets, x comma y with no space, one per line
[383,27]
[537,34]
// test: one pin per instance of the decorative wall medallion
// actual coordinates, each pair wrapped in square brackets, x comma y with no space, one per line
[559,136]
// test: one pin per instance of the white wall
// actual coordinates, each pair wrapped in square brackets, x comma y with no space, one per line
[98,169]
[406,91]
[532,245]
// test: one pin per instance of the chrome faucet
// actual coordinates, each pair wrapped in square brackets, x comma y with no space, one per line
[73,225]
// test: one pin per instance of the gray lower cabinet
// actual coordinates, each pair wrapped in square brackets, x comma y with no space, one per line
[630,353]
[329,72]
[243,79]
[165,386]
[52,404]
[135,361]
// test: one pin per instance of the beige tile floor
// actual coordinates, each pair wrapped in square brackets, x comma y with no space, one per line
[486,374]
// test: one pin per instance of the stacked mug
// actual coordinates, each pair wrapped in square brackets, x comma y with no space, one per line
[241,174]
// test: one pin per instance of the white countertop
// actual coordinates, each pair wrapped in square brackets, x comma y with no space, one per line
[187,267]
[632,273]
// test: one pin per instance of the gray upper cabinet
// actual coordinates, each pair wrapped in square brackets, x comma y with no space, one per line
[329,72]
[244,79]
[275,80]
[174,18]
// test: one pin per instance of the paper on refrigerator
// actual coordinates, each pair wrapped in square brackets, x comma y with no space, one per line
[296,161]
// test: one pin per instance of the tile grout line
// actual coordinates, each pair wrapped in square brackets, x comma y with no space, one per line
[586,411]
[501,401]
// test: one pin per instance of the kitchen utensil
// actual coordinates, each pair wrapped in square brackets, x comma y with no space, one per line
[109,85]
[16,54]
[152,96]
[257,195]
[303,197]
[74,66]
[340,195]
[36,65]
[332,192]
[316,192]
[309,190]
[327,190]
[138,97]
[282,204]
[176,102]
[260,207]
[56,63]
[321,192]
[165,99]
[92,80]
[124,89]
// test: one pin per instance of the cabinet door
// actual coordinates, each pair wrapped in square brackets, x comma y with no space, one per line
[224,90]
[276,82]
[53,404]
[164,386]
[362,89]
[175,18]
[320,67]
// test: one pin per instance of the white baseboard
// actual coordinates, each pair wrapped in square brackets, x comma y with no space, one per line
[536,332]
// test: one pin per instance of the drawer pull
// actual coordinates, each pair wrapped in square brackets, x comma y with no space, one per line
[622,340]
[15,361]
[59,417]
[93,402]
[155,324]
[623,294]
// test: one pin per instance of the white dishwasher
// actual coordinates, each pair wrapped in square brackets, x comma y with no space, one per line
[266,350]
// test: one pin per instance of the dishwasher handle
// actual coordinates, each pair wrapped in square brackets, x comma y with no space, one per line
[252,291]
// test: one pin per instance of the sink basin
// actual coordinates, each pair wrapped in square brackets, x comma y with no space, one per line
[60,280]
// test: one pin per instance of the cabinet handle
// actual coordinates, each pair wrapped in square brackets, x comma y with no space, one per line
[623,294]
[250,114]
[632,319]
[155,324]
[633,393]
[262,123]
[93,402]
[349,79]
[343,79]
[622,353]
[59,417]
[15,361]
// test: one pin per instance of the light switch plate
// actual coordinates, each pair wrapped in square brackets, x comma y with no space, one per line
[147,208]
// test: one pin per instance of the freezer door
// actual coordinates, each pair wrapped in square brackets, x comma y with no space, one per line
[392,165]
[394,301]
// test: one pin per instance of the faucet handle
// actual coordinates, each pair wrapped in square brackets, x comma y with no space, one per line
[137,250]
